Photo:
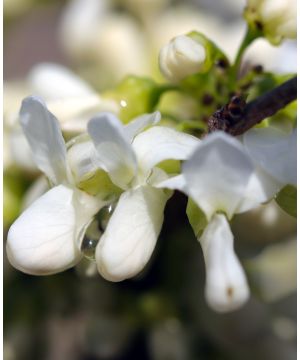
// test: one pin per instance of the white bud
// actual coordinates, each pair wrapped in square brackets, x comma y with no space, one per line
[183,56]
[226,286]
[277,18]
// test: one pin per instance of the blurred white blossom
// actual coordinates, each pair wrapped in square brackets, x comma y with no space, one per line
[276,19]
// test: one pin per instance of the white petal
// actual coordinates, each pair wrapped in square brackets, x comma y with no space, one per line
[138,124]
[131,234]
[260,189]
[226,286]
[42,240]
[217,174]
[275,152]
[42,131]
[174,183]
[161,143]
[81,158]
[54,81]
[114,152]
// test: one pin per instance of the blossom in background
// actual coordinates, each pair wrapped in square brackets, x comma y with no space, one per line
[222,180]
[131,157]
[89,27]
[276,19]
[66,95]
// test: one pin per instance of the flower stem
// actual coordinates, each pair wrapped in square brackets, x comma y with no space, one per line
[250,36]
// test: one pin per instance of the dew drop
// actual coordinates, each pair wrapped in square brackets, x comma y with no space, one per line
[123,103]
[105,214]
[88,247]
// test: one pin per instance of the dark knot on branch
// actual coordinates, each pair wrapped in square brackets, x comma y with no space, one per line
[237,117]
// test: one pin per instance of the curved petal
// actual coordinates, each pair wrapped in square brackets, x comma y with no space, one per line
[161,143]
[226,286]
[44,136]
[217,174]
[275,152]
[260,189]
[174,183]
[42,240]
[54,81]
[81,159]
[114,152]
[138,124]
[131,234]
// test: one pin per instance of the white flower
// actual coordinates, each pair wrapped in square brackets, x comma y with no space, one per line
[223,176]
[217,176]
[277,18]
[46,238]
[131,160]
[91,30]
[183,56]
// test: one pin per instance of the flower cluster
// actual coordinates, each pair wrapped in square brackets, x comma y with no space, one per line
[125,155]
[221,175]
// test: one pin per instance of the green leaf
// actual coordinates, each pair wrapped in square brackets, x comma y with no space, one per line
[196,217]
[287,200]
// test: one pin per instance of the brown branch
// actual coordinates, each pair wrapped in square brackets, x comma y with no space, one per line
[236,117]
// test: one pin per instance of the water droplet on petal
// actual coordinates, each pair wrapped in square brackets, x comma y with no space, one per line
[123,103]
[105,214]
[88,247]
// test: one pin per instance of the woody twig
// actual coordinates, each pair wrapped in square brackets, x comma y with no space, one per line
[237,117]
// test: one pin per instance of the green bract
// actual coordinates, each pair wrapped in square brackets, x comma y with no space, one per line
[287,200]
[135,95]
[196,217]
[214,55]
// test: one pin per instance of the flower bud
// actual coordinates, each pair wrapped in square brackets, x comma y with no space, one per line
[226,286]
[183,56]
[276,19]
